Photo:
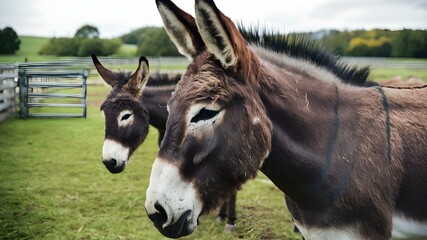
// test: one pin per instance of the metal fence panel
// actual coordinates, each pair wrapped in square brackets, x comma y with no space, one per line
[46,87]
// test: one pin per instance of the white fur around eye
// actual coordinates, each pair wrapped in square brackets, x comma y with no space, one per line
[204,126]
[125,122]
[195,109]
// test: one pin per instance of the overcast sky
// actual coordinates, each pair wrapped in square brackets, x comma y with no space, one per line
[61,18]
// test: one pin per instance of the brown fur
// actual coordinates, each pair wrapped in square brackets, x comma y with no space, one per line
[398,82]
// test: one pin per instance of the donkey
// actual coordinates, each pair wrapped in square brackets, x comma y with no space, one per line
[351,161]
[129,109]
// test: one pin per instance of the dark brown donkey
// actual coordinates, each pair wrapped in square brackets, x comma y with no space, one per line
[129,109]
[351,161]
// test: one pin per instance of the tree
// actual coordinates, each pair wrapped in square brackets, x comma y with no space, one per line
[102,47]
[134,36]
[370,47]
[410,43]
[87,31]
[111,46]
[9,41]
[336,42]
[156,42]
[60,47]
[85,42]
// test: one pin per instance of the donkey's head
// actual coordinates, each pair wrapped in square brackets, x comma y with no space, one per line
[126,120]
[217,133]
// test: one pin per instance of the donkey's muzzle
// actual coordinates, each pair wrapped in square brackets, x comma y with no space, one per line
[175,230]
[113,165]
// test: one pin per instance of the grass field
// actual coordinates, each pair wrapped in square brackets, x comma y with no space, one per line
[29,49]
[54,186]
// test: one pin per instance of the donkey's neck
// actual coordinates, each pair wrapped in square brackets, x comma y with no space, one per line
[304,114]
[155,99]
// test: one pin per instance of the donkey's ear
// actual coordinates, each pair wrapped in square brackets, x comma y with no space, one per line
[181,28]
[138,80]
[106,74]
[221,36]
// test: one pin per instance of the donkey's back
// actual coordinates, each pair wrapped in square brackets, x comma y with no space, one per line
[408,123]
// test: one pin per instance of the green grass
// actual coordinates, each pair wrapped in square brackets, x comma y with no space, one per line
[54,186]
[383,74]
[31,45]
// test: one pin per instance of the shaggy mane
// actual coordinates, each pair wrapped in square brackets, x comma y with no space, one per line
[301,47]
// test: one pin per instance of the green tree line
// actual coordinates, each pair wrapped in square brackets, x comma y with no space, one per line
[151,41]
[404,43]
[85,41]
[154,41]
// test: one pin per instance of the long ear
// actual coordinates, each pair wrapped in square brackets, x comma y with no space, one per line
[138,80]
[221,36]
[109,77]
[181,28]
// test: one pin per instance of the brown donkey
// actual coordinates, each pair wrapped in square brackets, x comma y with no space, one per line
[351,161]
[130,108]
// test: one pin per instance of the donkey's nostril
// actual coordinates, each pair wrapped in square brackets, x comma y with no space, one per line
[113,165]
[172,230]
[161,217]
[113,162]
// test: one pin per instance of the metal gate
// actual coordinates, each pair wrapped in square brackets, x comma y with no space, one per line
[45,91]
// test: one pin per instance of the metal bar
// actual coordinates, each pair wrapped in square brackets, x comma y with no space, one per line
[70,105]
[84,92]
[55,95]
[23,93]
[54,74]
[54,84]
[55,115]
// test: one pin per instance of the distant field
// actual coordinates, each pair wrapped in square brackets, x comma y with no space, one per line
[28,49]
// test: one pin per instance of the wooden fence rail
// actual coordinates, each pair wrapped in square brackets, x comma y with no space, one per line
[7,91]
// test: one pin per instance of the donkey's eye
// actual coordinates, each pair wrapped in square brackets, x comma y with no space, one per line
[126,116]
[204,114]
